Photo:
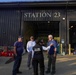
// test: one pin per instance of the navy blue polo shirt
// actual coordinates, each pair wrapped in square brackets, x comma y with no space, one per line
[51,50]
[19,47]
[52,42]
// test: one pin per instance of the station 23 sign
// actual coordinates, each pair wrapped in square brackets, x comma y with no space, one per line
[41,15]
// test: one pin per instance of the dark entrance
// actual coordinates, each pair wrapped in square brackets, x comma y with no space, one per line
[72,34]
[41,29]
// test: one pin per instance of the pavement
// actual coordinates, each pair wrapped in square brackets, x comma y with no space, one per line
[65,65]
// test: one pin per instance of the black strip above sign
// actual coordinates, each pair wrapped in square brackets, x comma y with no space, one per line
[41,15]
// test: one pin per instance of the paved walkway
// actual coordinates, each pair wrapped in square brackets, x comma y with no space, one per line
[66,65]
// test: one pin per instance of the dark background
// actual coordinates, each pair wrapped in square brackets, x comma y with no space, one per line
[32,0]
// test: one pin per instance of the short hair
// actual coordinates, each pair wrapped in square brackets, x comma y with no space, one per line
[20,37]
[37,41]
[32,37]
[50,36]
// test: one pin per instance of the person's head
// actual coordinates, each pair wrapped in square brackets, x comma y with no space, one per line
[50,37]
[31,38]
[20,39]
[42,40]
[37,41]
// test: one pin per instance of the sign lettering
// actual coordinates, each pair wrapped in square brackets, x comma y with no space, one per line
[37,15]
[57,14]
[42,15]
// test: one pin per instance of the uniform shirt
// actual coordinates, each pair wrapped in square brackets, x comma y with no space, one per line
[30,45]
[43,48]
[19,47]
[38,53]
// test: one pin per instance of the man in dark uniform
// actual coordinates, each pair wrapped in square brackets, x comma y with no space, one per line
[38,58]
[51,55]
[18,50]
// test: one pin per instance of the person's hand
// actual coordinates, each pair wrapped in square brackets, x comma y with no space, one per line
[15,55]
[54,55]
[51,44]
[47,51]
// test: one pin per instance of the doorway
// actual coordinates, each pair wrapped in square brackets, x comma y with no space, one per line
[72,34]
[41,29]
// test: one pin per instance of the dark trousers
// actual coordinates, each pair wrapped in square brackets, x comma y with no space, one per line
[51,63]
[35,63]
[29,59]
[17,64]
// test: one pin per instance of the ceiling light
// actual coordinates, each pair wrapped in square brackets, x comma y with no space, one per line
[71,26]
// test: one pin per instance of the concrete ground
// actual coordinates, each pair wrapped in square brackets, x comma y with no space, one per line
[65,65]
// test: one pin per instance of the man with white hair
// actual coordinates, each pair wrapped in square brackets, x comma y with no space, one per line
[51,55]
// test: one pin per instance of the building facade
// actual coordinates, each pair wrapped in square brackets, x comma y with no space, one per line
[39,19]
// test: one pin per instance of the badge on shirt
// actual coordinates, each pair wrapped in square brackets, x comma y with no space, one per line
[37,49]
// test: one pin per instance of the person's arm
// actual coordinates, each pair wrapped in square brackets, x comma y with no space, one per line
[32,53]
[15,47]
[23,51]
[55,52]
[15,51]
[27,47]
[45,48]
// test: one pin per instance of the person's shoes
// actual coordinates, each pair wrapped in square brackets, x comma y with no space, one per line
[19,72]
[47,72]
[53,72]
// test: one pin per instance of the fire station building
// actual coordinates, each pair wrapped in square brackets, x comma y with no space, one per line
[38,18]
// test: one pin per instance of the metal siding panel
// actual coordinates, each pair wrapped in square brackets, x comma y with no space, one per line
[9,26]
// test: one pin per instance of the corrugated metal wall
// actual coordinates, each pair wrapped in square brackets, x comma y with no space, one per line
[9,26]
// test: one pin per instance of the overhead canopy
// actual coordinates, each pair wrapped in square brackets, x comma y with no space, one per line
[32,0]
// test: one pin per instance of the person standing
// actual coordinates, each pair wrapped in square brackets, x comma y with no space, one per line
[38,58]
[51,55]
[18,50]
[30,46]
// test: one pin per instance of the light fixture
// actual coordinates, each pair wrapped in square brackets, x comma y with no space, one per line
[71,26]
[63,18]
[48,21]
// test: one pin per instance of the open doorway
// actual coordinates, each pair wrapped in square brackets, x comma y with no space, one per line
[41,29]
[72,34]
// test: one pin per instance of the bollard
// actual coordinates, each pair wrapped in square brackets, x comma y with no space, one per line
[69,49]
[61,48]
